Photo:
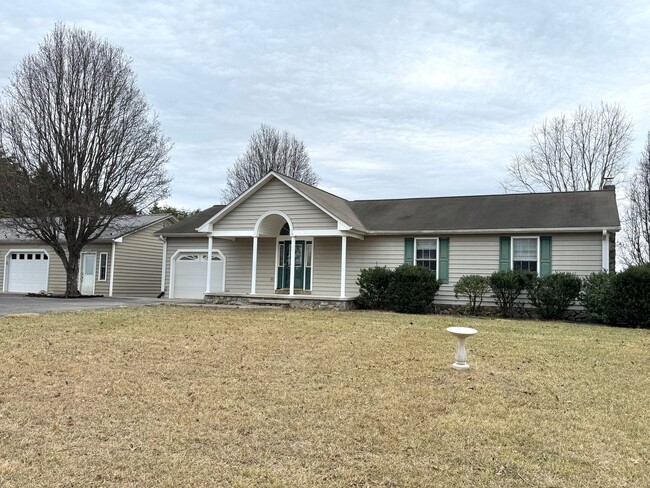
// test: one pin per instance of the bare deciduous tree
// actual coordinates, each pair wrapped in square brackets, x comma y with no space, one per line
[636,239]
[268,150]
[83,145]
[576,152]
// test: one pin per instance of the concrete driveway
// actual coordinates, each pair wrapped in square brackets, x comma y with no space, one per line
[14,304]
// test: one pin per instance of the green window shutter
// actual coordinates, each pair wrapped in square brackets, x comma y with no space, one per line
[504,253]
[409,244]
[443,259]
[545,256]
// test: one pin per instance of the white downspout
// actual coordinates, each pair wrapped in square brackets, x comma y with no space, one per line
[164,265]
[605,251]
[344,252]
[110,284]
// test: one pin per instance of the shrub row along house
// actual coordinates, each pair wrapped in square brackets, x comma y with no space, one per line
[125,260]
[283,239]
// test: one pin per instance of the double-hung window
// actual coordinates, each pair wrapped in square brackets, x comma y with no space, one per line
[103,265]
[525,254]
[426,253]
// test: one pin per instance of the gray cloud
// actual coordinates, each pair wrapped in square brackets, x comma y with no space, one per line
[393,99]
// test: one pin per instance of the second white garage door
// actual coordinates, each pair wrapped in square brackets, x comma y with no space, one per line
[190,275]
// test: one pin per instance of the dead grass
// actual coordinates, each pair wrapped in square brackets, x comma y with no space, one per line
[193,397]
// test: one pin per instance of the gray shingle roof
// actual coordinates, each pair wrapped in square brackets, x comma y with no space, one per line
[118,228]
[584,209]
[189,225]
[567,210]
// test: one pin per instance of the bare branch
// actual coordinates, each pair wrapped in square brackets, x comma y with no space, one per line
[578,152]
[268,150]
[636,243]
[82,143]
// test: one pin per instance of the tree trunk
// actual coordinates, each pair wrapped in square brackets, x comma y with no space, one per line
[72,276]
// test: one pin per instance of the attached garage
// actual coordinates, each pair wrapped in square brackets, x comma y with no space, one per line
[26,271]
[190,273]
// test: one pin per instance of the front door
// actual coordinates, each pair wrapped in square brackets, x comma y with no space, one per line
[284,265]
[88,274]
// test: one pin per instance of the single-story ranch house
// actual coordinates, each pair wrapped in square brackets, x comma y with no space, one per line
[283,239]
[125,260]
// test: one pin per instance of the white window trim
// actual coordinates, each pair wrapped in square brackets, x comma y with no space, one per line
[40,251]
[99,267]
[512,251]
[415,251]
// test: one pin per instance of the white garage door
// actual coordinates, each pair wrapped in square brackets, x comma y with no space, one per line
[27,271]
[190,275]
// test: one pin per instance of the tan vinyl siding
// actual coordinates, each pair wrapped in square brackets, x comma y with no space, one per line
[471,254]
[138,263]
[372,251]
[266,255]
[577,253]
[275,195]
[326,278]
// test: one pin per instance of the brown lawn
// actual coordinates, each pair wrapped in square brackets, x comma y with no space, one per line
[171,396]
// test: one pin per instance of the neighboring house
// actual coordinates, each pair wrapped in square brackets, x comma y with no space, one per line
[283,237]
[124,260]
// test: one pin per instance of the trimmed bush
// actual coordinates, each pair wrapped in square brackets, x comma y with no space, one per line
[596,297]
[552,295]
[474,287]
[373,286]
[506,288]
[412,289]
[631,296]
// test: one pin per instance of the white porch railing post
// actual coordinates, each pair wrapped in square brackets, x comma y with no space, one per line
[254,272]
[209,274]
[293,265]
[344,252]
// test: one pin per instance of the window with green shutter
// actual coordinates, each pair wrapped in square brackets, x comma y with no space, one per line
[409,246]
[429,252]
[545,255]
[443,259]
[504,253]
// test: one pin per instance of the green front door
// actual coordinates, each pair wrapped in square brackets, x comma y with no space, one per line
[284,265]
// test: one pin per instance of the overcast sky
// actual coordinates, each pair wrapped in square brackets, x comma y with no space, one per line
[392,98]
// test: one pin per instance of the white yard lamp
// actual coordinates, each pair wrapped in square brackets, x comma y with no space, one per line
[461,334]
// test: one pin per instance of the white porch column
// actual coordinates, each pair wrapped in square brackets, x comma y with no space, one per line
[254,273]
[293,265]
[344,253]
[209,276]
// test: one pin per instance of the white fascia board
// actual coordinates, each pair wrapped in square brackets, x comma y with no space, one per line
[234,204]
[326,233]
[558,230]
[228,234]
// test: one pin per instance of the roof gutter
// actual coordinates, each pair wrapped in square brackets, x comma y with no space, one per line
[554,230]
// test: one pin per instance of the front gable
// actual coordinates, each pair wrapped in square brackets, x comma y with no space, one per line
[274,195]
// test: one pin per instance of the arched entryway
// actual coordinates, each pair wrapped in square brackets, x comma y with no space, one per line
[293,256]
